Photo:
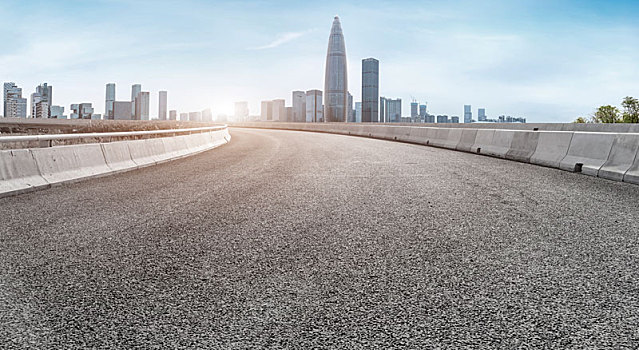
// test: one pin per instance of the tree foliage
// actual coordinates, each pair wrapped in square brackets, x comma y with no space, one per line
[581,120]
[607,114]
[630,110]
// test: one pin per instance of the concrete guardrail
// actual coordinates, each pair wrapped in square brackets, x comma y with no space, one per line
[611,154]
[24,170]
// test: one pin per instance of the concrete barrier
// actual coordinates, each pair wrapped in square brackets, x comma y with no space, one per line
[19,172]
[588,151]
[500,143]
[439,137]
[467,140]
[523,145]
[118,156]
[452,139]
[418,135]
[70,163]
[176,146]
[552,147]
[483,139]
[622,155]
[632,175]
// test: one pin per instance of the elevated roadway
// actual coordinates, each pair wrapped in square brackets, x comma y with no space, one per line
[285,239]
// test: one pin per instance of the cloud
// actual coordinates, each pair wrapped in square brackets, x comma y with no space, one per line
[282,39]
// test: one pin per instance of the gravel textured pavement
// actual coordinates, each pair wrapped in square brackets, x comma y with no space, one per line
[286,239]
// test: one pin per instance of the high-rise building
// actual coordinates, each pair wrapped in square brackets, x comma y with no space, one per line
[358,112]
[393,110]
[109,100]
[370,90]
[82,111]
[336,78]
[468,114]
[142,101]
[443,119]
[429,118]
[266,111]
[135,90]
[41,101]
[481,114]
[14,105]
[289,114]
[299,106]
[195,116]
[423,112]
[382,110]
[57,112]
[241,111]
[314,109]
[350,117]
[414,111]
[184,117]
[173,114]
[162,108]
[207,115]
[454,119]
[121,110]
[279,110]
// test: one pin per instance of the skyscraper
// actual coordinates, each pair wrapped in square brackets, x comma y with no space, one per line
[422,112]
[121,110]
[14,105]
[382,110]
[414,111]
[109,100]
[142,105]
[468,114]
[162,108]
[314,109]
[358,112]
[279,110]
[135,90]
[370,90]
[41,101]
[393,110]
[336,81]
[266,111]
[481,115]
[241,111]
[173,114]
[350,117]
[299,106]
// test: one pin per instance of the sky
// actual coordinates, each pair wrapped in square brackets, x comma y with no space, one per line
[546,60]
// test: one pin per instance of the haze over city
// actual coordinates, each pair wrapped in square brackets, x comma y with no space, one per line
[544,60]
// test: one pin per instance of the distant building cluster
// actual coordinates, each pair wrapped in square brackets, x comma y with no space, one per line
[335,103]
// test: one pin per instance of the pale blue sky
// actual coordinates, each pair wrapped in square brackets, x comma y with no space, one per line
[547,60]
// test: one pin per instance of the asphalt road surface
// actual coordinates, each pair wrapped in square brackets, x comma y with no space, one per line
[286,239]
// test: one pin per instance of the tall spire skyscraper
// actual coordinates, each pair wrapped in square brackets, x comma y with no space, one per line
[336,82]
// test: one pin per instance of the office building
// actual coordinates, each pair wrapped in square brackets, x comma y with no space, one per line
[454,119]
[414,111]
[82,111]
[335,80]
[382,110]
[358,112]
[442,119]
[370,90]
[422,112]
[184,117]
[207,115]
[350,117]
[121,110]
[135,90]
[481,115]
[393,110]
[173,114]
[142,101]
[299,106]
[289,114]
[314,108]
[266,111]
[468,114]
[195,116]
[41,101]
[162,108]
[109,100]
[279,110]
[14,105]
[429,118]
[241,111]
[57,112]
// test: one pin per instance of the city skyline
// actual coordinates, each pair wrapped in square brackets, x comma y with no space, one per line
[545,61]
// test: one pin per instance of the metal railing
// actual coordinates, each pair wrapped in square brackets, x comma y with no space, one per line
[48,138]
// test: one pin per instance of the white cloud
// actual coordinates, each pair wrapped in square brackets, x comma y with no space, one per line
[283,39]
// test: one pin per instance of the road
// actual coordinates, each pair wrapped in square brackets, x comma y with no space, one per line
[286,239]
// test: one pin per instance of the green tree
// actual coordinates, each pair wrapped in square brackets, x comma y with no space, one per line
[581,120]
[630,110]
[607,114]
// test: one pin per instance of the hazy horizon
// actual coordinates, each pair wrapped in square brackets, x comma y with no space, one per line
[543,60]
